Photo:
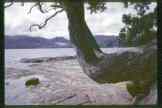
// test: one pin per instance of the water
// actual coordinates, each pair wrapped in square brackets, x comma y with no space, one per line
[13,56]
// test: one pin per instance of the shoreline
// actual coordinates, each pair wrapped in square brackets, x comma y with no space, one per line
[62,82]
[45,59]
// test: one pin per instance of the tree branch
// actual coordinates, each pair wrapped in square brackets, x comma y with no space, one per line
[39,7]
[56,6]
[32,8]
[40,26]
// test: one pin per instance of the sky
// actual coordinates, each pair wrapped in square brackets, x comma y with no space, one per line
[109,22]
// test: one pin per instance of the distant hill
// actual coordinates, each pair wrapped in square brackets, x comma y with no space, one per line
[24,42]
[18,42]
[107,41]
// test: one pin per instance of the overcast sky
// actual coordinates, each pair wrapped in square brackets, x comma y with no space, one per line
[109,22]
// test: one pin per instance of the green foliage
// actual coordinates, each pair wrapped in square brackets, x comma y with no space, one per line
[139,29]
[96,5]
[33,81]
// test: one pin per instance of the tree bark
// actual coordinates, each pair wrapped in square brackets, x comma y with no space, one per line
[103,68]
[80,35]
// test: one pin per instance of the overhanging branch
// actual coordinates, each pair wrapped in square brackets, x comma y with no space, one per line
[39,5]
[56,6]
[40,26]
[40,8]
[32,8]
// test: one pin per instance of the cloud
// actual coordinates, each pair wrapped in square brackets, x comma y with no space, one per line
[17,21]
[108,22]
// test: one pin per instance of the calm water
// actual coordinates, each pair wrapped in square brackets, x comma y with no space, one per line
[13,56]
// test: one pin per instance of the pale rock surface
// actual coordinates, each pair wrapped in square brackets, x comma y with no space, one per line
[62,82]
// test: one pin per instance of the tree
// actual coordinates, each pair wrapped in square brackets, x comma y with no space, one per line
[139,29]
[97,65]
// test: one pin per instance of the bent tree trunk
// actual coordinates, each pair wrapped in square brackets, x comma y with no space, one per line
[80,34]
[88,51]
[140,68]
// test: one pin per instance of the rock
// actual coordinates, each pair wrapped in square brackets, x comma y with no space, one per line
[45,59]
[68,85]
[32,81]
[26,60]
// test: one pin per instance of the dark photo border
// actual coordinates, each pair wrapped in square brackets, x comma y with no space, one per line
[2,63]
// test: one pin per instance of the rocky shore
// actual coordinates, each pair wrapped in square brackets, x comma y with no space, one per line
[61,81]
